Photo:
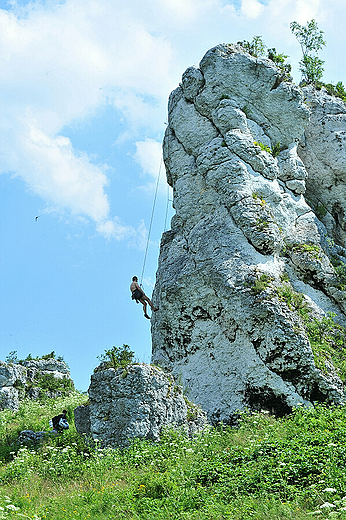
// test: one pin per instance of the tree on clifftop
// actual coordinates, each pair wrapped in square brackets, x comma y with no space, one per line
[311,41]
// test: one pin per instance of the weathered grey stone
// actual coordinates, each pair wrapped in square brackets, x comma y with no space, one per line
[30,437]
[323,150]
[135,402]
[241,216]
[9,398]
[16,380]
[82,420]
[10,373]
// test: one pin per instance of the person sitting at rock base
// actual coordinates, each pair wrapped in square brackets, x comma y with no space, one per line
[59,422]
[139,295]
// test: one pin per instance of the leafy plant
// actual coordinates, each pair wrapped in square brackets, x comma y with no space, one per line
[117,357]
[263,147]
[276,149]
[294,300]
[328,343]
[261,283]
[51,384]
[12,357]
[313,249]
[256,47]
[261,224]
[311,41]
[279,60]
[340,271]
[337,90]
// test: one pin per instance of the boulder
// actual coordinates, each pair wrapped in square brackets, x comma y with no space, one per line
[135,402]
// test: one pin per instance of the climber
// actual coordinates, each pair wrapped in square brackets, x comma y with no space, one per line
[139,295]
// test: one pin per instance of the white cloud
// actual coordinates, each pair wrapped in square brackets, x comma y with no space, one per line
[149,155]
[116,229]
[62,61]
[251,8]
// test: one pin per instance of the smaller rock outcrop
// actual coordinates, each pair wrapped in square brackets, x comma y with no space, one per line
[32,379]
[30,437]
[136,401]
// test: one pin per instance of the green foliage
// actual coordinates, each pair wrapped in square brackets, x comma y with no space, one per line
[246,110]
[312,249]
[264,469]
[274,152]
[337,90]
[276,149]
[311,41]
[279,60]
[293,299]
[256,47]
[340,271]
[12,357]
[261,283]
[258,198]
[320,210]
[192,409]
[263,147]
[117,357]
[261,224]
[328,343]
[51,384]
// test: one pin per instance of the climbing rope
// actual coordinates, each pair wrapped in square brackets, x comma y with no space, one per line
[166,214]
[151,222]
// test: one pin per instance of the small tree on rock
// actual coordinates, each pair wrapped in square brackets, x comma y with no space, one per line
[311,41]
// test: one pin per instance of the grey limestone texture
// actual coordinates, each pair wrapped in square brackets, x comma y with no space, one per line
[242,217]
[135,402]
[17,381]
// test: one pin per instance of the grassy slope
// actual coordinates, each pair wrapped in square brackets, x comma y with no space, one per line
[264,469]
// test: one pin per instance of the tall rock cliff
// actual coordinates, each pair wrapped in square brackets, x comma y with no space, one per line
[246,267]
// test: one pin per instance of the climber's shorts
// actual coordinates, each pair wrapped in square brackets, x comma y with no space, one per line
[137,295]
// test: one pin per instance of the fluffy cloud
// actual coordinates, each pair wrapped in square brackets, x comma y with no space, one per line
[62,61]
[60,64]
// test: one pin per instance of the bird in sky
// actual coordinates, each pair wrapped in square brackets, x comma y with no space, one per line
[36,218]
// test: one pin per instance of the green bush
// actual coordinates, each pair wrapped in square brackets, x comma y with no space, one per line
[117,357]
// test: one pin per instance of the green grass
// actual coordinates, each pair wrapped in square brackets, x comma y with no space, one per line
[265,468]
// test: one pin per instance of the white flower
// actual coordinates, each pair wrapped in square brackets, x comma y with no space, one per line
[327,505]
[330,490]
[12,507]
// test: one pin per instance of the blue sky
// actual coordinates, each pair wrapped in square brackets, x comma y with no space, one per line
[84,87]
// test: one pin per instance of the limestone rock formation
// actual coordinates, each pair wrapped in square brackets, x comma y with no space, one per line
[136,401]
[27,379]
[244,241]
[323,150]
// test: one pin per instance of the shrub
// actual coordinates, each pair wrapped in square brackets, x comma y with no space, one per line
[279,60]
[117,357]
[256,47]
[263,147]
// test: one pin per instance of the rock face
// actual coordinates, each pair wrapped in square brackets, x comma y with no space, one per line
[137,401]
[18,381]
[244,241]
[323,150]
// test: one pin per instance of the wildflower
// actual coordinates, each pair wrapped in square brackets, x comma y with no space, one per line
[327,505]
[12,507]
